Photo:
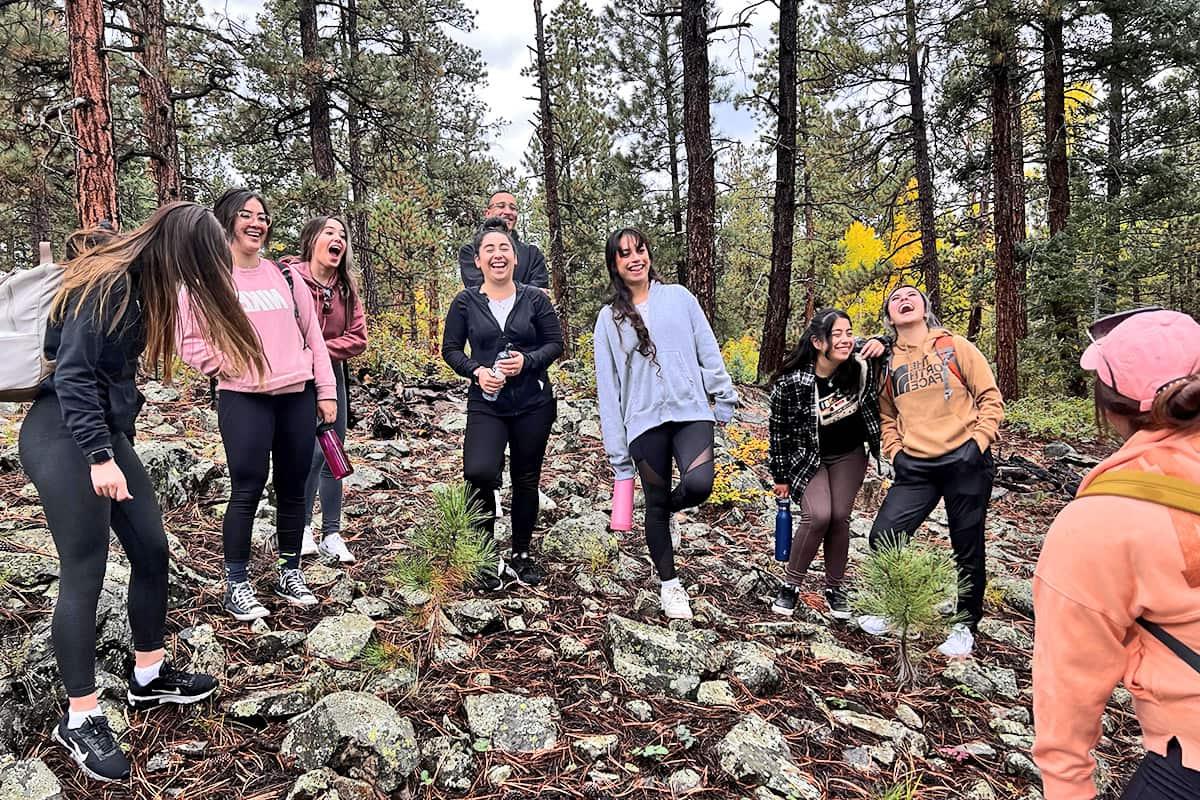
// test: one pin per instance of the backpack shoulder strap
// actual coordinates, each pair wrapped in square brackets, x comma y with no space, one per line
[949,355]
[1163,490]
[287,276]
[1189,656]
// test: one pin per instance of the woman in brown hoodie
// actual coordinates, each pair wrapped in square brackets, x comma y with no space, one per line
[940,411]
[1116,572]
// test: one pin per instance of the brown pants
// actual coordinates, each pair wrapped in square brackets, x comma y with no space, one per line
[825,517]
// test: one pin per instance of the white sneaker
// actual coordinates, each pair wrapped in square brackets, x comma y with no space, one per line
[959,643]
[308,546]
[675,538]
[332,546]
[675,604]
[876,626]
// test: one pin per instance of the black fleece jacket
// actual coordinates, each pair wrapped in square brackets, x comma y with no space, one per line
[96,365]
[532,328]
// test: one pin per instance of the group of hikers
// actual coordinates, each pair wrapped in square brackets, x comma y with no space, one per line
[919,400]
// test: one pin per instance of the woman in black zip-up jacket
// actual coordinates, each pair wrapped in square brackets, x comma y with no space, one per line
[510,401]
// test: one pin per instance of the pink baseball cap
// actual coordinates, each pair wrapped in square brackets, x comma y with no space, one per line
[1144,353]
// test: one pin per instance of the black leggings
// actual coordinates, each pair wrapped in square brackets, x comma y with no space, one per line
[261,431]
[691,444]
[79,521]
[483,463]
[1160,778]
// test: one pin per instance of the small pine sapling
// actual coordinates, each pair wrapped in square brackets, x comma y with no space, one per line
[906,585]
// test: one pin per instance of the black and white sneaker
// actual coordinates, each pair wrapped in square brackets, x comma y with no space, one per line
[493,579]
[171,686]
[785,601]
[525,570]
[291,587]
[94,748]
[241,601]
[835,598]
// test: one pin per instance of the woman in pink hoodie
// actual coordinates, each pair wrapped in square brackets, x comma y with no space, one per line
[270,420]
[327,268]
[1115,572]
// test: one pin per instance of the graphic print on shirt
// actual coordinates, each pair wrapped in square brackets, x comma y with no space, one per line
[917,375]
[835,407]
[262,300]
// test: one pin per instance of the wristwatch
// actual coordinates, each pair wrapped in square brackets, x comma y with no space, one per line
[101,456]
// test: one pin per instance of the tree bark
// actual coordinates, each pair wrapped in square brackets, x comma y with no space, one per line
[673,125]
[95,163]
[154,90]
[359,229]
[1020,231]
[810,223]
[930,268]
[558,261]
[1003,200]
[783,228]
[316,93]
[697,137]
[1106,300]
[1055,121]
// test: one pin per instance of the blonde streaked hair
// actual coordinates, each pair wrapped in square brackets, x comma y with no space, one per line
[181,246]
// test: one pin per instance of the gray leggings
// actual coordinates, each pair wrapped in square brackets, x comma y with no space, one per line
[825,517]
[318,472]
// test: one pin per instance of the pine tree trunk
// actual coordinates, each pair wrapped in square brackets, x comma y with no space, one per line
[906,671]
[1110,271]
[359,229]
[154,90]
[930,268]
[697,137]
[95,163]
[558,259]
[316,93]
[783,228]
[1057,169]
[1003,200]
[673,125]
[810,217]
[1020,232]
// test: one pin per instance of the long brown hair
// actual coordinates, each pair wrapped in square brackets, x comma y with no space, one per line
[345,268]
[181,246]
[620,298]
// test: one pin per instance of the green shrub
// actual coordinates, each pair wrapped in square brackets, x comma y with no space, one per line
[741,359]
[577,374]
[391,356]
[1053,417]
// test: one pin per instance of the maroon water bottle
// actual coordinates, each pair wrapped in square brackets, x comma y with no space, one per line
[335,454]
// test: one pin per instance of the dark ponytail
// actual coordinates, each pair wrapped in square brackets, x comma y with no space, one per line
[620,298]
[848,374]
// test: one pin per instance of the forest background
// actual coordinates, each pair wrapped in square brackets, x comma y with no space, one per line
[1032,163]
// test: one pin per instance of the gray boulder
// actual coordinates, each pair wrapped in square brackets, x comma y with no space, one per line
[169,465]
[273,703]
[473,616]
[514,723]
[449,762]
[655,659]
[208,656]
[582,539]
[753,665]
[340,638]
[27,570]
[355,732]
[755,750]
[29,779]
[1017,594]
[325,784]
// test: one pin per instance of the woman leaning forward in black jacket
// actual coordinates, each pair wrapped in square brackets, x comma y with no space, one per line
[515,407]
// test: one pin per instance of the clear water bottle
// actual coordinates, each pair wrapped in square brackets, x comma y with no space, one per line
[496,373]
[783,528]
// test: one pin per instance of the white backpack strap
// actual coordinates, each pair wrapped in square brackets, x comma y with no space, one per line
[44,254]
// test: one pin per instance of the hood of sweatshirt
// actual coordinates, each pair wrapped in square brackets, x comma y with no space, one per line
[1174,453]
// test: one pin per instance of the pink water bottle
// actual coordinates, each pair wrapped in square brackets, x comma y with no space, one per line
[622,505]
[335,454]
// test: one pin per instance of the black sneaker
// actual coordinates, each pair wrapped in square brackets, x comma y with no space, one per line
[493,579]
[525,570]
[171,686]
[785,601]
[835,598]
[94,748]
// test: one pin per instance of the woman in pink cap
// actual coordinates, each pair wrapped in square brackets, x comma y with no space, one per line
[1117,587]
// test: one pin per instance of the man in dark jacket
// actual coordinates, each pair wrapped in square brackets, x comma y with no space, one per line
[531,264]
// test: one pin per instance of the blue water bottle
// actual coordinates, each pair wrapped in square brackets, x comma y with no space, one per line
[783,528]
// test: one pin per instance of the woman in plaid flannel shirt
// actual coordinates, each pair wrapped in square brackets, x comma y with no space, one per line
[824,407]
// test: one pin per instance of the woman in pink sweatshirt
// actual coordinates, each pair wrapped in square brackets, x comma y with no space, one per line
[1111,564]
[327,268]
[270,420]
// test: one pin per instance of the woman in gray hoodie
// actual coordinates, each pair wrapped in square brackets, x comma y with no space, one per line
[657,365]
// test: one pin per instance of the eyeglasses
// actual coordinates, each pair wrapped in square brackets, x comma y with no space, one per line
[265,219]
[1105,325]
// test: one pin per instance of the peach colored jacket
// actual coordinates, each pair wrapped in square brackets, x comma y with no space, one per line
[1107,561]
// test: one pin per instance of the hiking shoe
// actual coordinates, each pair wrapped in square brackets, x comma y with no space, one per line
[876,626]
[785,601]
[291,587]
[171,686]
[525,570]
[241,601]
[675,604]
[959,643]
[835,598]
[94,748]
[333,546]
[308,546]
[493,579]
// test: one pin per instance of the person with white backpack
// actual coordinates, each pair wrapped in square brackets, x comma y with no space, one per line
[116,303]
[268,422]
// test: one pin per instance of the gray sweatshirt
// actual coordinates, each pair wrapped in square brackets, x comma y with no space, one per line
[635,395]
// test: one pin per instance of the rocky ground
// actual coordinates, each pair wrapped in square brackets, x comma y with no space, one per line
[576,689]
